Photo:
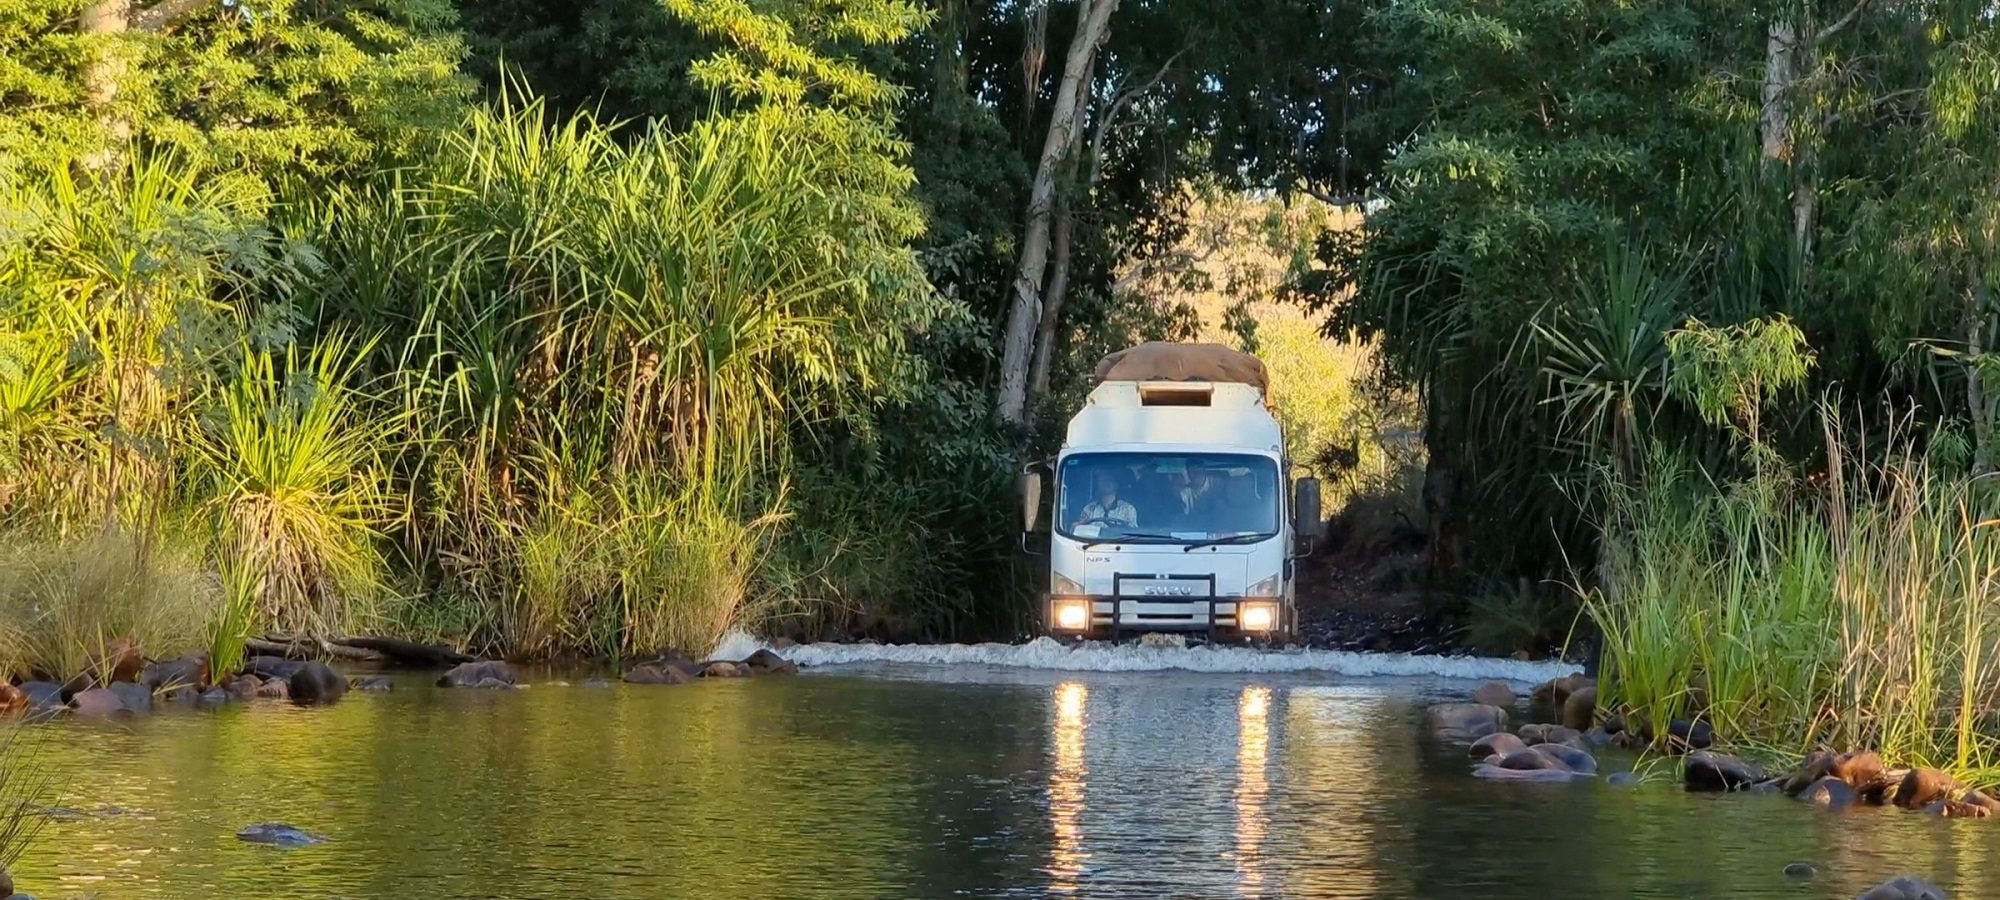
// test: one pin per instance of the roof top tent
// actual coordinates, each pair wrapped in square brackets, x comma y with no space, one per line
[1173,509]
[1190,394]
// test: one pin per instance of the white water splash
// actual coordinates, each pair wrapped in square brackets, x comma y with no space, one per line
[1048,653]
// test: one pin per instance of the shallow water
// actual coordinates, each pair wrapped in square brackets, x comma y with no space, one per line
[900,780]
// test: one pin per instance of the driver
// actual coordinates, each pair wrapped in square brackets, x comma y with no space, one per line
[1108,509]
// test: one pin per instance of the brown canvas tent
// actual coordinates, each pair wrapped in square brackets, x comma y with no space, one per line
[1164,361]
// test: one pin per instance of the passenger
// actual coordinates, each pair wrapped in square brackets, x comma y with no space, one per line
[1108,509]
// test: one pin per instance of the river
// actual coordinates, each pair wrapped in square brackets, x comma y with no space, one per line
[885,776]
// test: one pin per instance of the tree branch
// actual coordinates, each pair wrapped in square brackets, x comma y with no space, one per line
[1860,6]
[1118,104]
[167,12]
[1340,201]
[1833,118]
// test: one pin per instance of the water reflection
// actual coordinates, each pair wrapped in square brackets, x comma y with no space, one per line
[1252,788]
[1066,787]
[832,786]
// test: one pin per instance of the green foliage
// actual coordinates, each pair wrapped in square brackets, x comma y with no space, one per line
[1849,618]
[1729,374]
[291,470]
[274,88]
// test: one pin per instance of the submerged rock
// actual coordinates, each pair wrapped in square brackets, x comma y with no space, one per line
[1623,779]
[1494,693]
[1706,770]
[1496,744]
[1464,723]
[1829,793]
[724,669]
[1801,871]
[661,672]
[43,694]
[1904,887]
[278,834]
[764,662]
[476,674]
[136,697]
[315,682]
[1539,733]
[98,703]
[595,683]
[172,673]
[1493,772]
[1568,757]
[244,687]
[376,684]
[1529,760]
[275,690]
[215,696]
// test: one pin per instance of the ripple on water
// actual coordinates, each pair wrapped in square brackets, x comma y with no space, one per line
[843,785]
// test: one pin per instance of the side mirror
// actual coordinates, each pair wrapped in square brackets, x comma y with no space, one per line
[1305,509]
[1030,484]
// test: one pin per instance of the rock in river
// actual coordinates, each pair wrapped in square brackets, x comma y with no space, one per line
[1499,743]
[1923,787]
[1540,733]
[279,834]
[1568,757]
[136,697]
[1579,710]
[1801,870]
[661,672]
[724,669]
[1494,693]
[172,673]
[1555,691]
[314,682]
[1464,723]
[1829,793]
[764,662]
[98,702]
[1904,887]
[43,694]
[374,684]
[1705,770]
[1684,735]
[478,674]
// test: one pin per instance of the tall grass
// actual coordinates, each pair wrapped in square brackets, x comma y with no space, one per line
[1852,614]
[63,601]
[600,350]
[24,785]
[293,480]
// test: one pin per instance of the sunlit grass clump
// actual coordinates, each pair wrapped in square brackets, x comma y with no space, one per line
[1852,613]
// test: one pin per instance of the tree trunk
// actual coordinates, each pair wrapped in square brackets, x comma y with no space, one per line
[103,25]
[1975,388]
[1093,19]
[1034,57]
[1052,305]
[1781,48]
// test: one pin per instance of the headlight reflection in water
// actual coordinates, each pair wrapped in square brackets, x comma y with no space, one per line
[1066,786]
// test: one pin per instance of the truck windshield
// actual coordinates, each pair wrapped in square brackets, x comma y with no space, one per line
[1167,497]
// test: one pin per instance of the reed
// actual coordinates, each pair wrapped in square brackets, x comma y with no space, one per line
[1855,614]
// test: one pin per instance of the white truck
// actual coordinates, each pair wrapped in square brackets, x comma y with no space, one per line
[1174,507]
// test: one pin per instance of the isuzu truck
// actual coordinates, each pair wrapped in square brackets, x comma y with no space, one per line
[1175,508]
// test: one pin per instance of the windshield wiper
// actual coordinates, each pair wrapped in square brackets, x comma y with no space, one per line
[1232,539]
[1123,539]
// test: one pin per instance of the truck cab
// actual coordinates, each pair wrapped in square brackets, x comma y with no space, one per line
[1173,510]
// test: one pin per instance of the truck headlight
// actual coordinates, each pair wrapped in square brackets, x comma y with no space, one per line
[1269,587]
[1256,616]
[1073,615]
[1060,584]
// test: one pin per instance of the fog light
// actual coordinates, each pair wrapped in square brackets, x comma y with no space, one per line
[1256,618]
[1073,616]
